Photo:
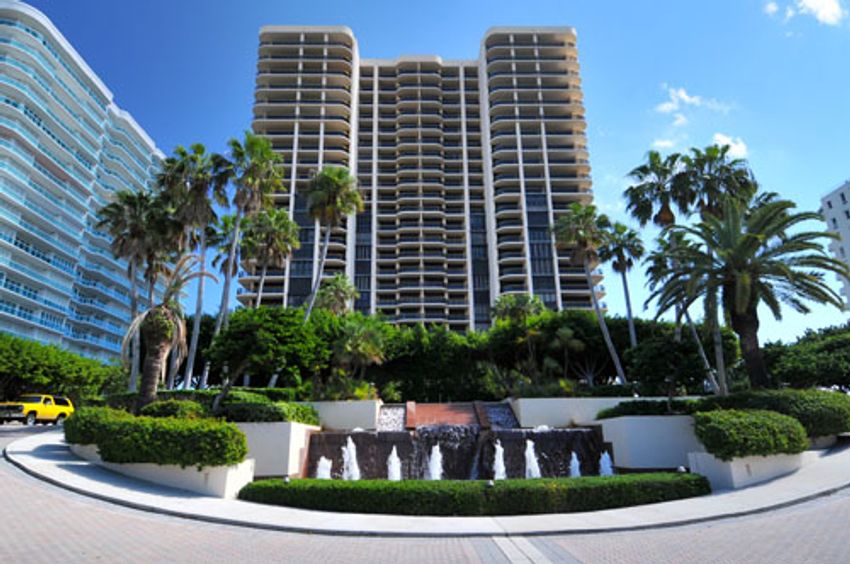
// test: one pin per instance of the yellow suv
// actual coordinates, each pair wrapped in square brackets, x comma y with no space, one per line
[36,408]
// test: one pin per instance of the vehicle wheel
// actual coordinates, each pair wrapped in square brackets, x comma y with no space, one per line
[30,420]
[60,421]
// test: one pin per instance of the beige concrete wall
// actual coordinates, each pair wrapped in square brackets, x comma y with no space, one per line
[743,472]
[563,412]
[279,449]
[346,415]
[651,441]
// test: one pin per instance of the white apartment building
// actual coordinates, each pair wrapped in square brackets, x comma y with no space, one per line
[65,148]
[464,165]
[835,208]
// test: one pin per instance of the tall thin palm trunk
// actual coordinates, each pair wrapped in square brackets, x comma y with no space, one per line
[603,326]
[199,309]
[262,283]
[631,320]
[318,281]
[134,312]
[712,317]
[703,357]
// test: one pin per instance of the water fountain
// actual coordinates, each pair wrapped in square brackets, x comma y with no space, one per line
[323,470]
[575,466]
[350,469]
[605,466]
[499,462]
[435,464]
[532,467]
[394,466]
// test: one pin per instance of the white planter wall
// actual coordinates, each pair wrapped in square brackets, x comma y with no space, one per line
[742,472]
[347,415]
[563,412]
[217,481]
[651,441]
[278,449]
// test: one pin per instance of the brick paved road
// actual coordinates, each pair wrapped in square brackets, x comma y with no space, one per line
[42,523]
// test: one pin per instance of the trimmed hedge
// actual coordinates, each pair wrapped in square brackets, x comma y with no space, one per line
[87,425]
[821,412]
[270,412]
[732,433]
[467,497]
[648,407]
[182,409]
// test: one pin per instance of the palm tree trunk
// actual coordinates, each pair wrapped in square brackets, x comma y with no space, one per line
[631,320]
[318,281]
[134,312]
[603,326]
[199,310]
[262,283]
[154,363]
[173,367]
[703,357]
[746,325]
[717,339]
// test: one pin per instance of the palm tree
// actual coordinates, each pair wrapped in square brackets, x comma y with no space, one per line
[748,254]
[361,343]
[583,231]
[517,308]
[331,197]
[197,180]
[163,328]
[270,237]
[125,219]
[622,247]
[336,294]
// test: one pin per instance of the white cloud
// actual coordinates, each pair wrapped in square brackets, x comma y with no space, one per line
[771,8]
[789,13]
[737,147]
[829,12]
[663,144]
[678,98]
[680,120]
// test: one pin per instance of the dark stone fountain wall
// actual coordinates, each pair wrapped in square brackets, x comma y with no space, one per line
[553,447]
[458,445]
[373,450]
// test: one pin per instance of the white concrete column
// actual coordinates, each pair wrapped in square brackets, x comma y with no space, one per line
[487,163]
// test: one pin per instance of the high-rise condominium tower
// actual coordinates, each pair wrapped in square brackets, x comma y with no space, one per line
[463,165]
[65,148]
[835,207]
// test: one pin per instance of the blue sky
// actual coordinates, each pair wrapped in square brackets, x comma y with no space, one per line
[771,78]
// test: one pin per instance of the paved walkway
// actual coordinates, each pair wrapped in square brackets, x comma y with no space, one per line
[45,455]
[42,523]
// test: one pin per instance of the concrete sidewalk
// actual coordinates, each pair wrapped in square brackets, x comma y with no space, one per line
[46,456]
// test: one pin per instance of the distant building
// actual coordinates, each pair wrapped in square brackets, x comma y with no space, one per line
[464,166]
[835,208]
[65,148]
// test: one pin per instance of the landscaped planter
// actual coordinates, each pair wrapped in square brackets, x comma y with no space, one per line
[217,481]
[651,441]
[345,415]
[278,449]
[742,472]
[563,412]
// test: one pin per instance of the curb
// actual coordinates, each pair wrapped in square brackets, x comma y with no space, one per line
[397,534]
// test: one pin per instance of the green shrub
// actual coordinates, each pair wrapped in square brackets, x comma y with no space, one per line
[648,407]
[733,433]
[87,425]
[270,412]
[467,497]
[182,409]
[820,412]
[185,442]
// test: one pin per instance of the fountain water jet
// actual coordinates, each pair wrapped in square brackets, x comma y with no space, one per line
[532,467]
[435,464]
[323,469]
[575,466]
[499,472]
[350,469]
[605,466]
[394,466]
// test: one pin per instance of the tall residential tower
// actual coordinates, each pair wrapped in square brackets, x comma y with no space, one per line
[464,166]
[835,208]
[65,148]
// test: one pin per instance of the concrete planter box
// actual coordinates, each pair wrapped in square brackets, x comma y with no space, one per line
[743,472]
[822,443]
[346,415]
[216,481]
[278,449]
[563,412]
[651,441]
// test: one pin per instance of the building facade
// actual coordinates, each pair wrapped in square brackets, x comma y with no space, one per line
[463,166]
[835,208]
[65,148]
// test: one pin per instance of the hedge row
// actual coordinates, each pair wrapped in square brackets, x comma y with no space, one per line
[649,407]
[733,433]
[462,497]
[244,412]
[205,397]
[123,438]
[182,409]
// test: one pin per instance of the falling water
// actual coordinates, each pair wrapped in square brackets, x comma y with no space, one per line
[575,466]
[532,468]
[435,464]
[394,466]
[605,466]
[499,472]
[350,469]
[323,469]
